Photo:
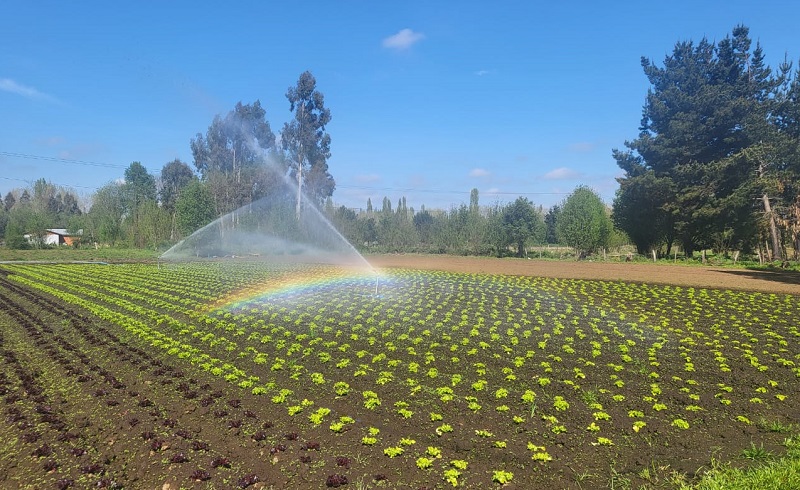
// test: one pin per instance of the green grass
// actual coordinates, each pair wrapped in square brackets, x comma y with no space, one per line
[782,473]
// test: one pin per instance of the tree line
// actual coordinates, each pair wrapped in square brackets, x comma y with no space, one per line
[582,221]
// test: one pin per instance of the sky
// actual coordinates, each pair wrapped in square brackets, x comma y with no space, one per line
[428,99]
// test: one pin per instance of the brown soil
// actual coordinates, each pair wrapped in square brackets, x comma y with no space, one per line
[776,281]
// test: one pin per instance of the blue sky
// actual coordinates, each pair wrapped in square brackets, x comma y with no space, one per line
[429,99]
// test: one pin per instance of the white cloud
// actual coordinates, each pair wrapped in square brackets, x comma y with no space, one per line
[404,39]
[367,178]
[481,73]
[561,173]
[479,172]
[9,85]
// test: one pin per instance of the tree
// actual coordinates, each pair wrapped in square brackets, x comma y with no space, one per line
[786,116]
[3,220]
[139,184]
[106,214]
[640,210]
[17,227]
[707,103]
[583,222]
[174,177]
[70,206]
[194,208]
[24,198]
[425,224]
[154,225]
[521,222]
[234,156]
[9,201]
[139,190]
[243,138]
[474,207]
[550,220]
[305,142]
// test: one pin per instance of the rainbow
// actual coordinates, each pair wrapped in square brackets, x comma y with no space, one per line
[297,284]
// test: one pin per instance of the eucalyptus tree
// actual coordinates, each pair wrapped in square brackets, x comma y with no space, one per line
[305,142]
[233,156]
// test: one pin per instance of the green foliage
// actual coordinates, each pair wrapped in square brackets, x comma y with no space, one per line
[175,176]
[520,223]
[32,213]
[502,477]
[781,473]
[106,214]
[715,133]
[21,222]
[640,210]
[194,208]
[235,142]
[583,222]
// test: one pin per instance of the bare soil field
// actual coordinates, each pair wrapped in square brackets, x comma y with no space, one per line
[777,281]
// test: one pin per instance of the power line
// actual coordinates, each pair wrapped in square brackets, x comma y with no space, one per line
[64,160]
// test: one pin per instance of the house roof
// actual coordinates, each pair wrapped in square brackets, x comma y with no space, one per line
[64,232]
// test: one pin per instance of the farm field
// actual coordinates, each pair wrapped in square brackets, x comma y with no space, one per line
[258,375]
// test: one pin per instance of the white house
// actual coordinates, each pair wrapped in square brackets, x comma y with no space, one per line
[57,236]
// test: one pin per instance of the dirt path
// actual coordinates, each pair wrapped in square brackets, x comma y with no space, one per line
[708,277]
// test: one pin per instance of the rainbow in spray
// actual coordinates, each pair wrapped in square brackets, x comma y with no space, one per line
[302,284]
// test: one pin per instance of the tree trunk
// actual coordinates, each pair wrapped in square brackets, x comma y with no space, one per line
[299,185]
[773,225]
[300,157]
[773,229]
